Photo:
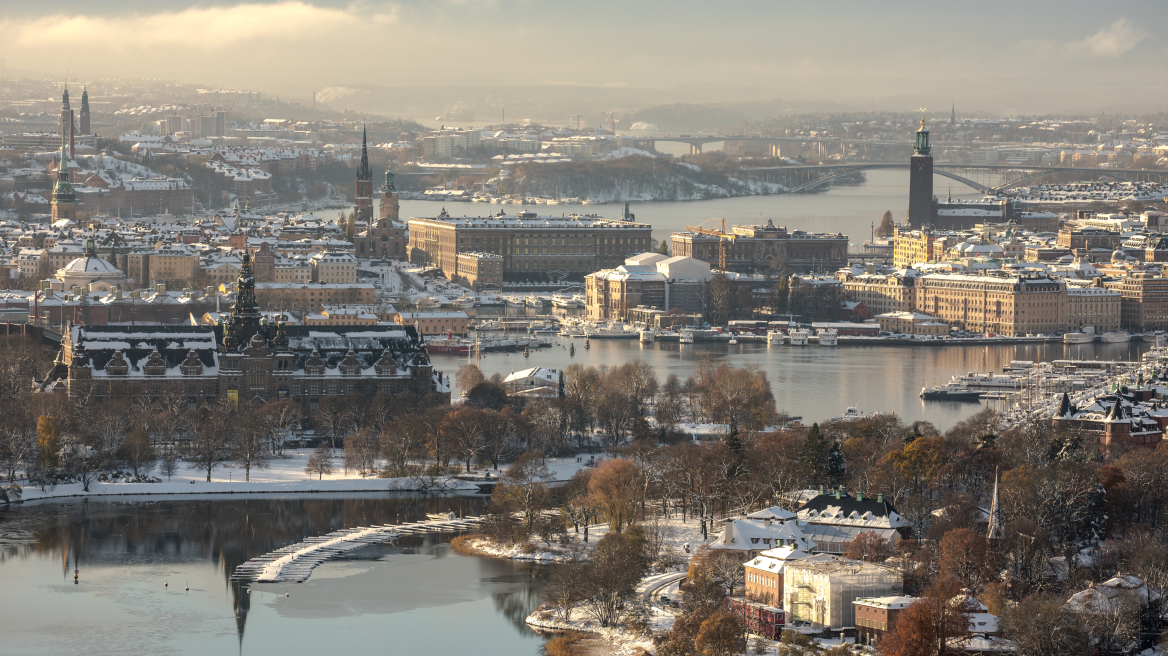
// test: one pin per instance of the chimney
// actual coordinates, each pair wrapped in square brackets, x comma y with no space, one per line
[859,496]
[837,493]
[880,498]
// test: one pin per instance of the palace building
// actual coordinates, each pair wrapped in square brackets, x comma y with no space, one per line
[244,358]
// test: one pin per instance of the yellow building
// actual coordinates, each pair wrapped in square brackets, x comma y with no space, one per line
[1094,306]
[174,262]
[999,302]
[882,293]
[333,267]
[911,323]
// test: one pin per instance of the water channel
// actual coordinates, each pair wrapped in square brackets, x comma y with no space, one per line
[415,597]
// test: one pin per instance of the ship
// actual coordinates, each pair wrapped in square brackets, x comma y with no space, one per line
[988,381]
[686,337]
[610,332]
[464,346]
[1086,336]
[829,337]
[647,336]
[1115,337]
[800,337]
[774,338]
[950,392]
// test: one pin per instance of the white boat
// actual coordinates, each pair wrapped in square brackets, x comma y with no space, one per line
[988,381]
[733,340]
[775,338]
[686,337]
[855,414]
[516,302]
[1085,336]
[610,332]
[464,303]
[829,337]
[800,337]
[1159,337]
[535,301]
[1115,337]
[565,302]
[647,336]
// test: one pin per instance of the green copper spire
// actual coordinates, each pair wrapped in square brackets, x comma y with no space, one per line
[63,190]
[389,182]
[922,145]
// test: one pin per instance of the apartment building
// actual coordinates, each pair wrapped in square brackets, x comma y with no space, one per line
[999,302]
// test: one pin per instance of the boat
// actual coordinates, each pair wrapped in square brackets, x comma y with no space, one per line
[1085,336]
[571,350]
[829,337]
[535,301]
[1018,365]
[775,338]
[587,344]
[647,336]
[564,302]
[800,337]
[1115,337]
[988,381]
[733,340]
[1158,337]
[950,392]
[464,303]
[855,414]
[610,332]
[515,301]
[686,337]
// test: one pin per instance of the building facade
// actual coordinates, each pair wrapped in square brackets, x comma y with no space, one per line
[1144,300]
[242,359]
[876,617]
[648,280]
[882,293]
[999,302]
[478,269]
[529,244]
[1094,306]
[765,248]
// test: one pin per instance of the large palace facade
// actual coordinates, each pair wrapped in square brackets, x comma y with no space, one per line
[243,358]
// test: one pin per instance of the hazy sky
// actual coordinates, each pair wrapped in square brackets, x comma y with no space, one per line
[998,56]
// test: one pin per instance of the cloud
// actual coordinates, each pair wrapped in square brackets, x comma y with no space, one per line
[224,34]
[1115,39]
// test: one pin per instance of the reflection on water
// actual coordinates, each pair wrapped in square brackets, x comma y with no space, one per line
[817,383]
[127,552]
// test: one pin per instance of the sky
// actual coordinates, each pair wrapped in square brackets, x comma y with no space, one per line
[1001,57]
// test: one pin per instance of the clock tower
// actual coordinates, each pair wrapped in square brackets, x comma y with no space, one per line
[921,207]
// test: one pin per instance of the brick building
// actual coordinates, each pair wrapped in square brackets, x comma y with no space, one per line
[767,247]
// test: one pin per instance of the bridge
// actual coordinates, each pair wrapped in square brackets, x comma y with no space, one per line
[986,178]
[696,142]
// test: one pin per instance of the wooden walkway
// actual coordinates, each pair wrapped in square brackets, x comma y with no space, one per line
[295,562]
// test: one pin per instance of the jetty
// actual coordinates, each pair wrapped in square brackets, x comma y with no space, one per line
[294,563]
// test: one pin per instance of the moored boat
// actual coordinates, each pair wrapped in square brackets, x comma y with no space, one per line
[800,337]
[686,337]
[1115,337]
[775,338]
[950,392]
[829,337]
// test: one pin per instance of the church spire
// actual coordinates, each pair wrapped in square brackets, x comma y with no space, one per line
[996,529]
[363,171]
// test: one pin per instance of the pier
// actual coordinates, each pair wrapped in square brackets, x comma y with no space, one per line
[294,563]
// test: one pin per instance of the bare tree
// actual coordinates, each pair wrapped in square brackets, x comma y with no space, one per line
[523,488]
[320,461]
[250,442]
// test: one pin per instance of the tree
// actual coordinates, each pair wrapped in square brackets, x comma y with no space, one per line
[567,584]
[137,451]
[499,439]
[617,566]
[720,635]
[168,464]
[926,627]
[887,225]
[813,456]
[465,427]
[210,442]
[468,377]
[740,398]
[966,556]
[870,547]
[1041,625]
[249,447]
[523,488]
[48,441]
[616,490]
[320,461]
[663,248]
[361,452]
[400,441]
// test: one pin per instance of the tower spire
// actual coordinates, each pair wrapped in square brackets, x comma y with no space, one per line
[996,530]
[363,172]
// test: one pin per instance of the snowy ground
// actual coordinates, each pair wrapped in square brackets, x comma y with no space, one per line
[284,474]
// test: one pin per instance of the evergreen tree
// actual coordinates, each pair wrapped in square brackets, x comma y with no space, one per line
[113,256]
[733,440]
[836,467]
[912,435]
[814,454]
[663,248]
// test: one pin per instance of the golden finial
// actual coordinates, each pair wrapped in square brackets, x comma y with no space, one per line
[922,118]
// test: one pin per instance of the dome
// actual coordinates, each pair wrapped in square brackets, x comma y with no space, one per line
[91,266]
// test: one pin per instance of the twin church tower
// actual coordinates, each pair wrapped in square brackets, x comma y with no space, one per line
[384,237]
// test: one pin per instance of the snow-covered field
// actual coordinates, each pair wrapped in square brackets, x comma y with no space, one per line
[284,474]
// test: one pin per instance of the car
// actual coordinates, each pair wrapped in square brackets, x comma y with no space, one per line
[665,600]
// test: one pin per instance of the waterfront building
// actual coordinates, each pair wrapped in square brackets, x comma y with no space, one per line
[1000,302]
[649,280]
[435,323]
[1093,305]
[882,293]
[820,589]
[1144,302]
[765,248]
[478,269]
[242,359]
[530,245]
[911,323]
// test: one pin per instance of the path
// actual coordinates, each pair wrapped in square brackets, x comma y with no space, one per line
[295,562]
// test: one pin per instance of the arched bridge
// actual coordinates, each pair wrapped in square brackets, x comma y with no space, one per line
[987,178]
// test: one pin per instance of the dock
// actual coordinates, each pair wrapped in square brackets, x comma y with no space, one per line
[294,563]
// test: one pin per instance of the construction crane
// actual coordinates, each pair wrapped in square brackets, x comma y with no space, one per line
[577,117]
[720,233]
